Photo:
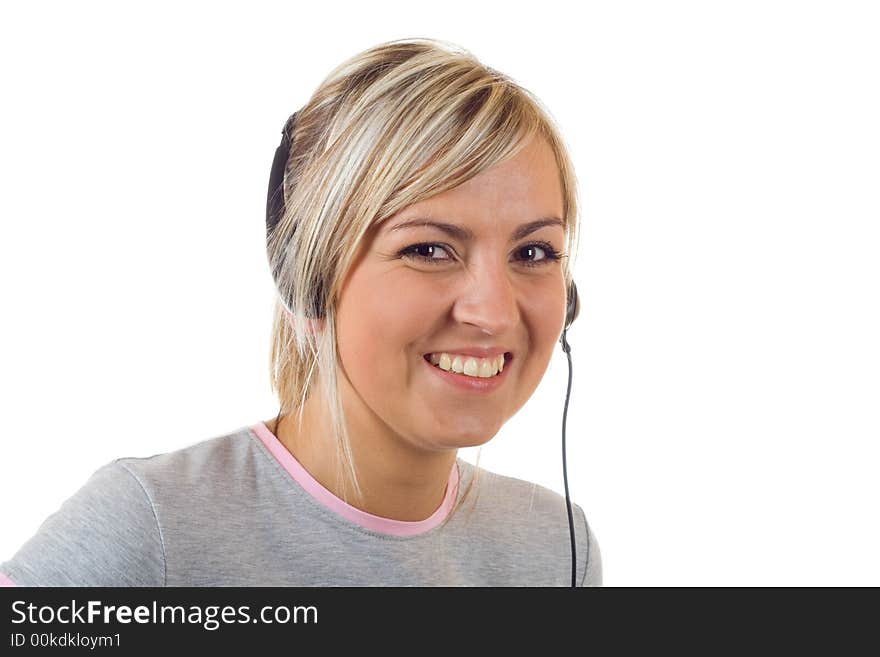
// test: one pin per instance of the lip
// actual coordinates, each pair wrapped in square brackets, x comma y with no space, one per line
[477,352]
[471,383]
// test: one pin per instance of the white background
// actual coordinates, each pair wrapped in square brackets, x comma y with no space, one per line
[723,428]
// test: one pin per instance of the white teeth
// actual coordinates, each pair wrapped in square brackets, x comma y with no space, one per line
[488,367]
[468,365]
[472,367]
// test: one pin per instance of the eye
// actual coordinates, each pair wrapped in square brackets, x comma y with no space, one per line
[426,251]
[550,254]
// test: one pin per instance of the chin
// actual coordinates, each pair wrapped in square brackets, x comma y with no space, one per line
[444,441]
[469,439]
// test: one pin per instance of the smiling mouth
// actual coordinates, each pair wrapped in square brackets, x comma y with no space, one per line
[508,356]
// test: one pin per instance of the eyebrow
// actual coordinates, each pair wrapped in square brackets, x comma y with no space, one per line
[466,235]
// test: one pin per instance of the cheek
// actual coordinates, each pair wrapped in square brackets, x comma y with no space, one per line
[545,310]
[377,328]
[544,318]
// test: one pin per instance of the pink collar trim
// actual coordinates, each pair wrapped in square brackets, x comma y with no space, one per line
[327,499]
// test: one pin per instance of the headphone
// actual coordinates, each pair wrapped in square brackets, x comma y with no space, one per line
[274,211]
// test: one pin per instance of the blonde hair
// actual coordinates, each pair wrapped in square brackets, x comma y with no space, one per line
[391,126]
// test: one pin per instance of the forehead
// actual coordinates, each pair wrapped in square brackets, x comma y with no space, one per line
[525,188]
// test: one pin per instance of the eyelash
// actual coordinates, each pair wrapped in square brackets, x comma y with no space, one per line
[552,255]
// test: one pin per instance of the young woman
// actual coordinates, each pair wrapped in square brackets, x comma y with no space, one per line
[420,240]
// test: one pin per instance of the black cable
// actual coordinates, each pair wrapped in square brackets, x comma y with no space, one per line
[567,349]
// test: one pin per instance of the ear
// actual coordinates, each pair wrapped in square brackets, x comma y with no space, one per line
[315,325]
[312,325]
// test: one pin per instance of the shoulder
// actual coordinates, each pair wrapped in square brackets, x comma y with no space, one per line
[192,466]
[110,532]
[203,482]
[535,516]
[105,534]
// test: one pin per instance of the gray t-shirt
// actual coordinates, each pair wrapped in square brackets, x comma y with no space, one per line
[239,510]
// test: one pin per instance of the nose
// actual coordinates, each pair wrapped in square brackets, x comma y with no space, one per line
[488,300]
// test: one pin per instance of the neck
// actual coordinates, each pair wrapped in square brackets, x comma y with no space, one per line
[399,481]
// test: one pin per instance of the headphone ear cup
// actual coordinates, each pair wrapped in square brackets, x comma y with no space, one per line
[573,305]
[275,196]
